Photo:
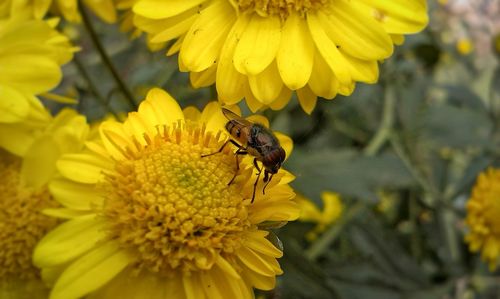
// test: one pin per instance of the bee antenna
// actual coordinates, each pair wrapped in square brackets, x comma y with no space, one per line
[264,189]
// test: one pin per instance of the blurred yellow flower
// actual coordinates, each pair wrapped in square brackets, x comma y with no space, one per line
[309,212]
[31,55]
[483,217]
[38,9]
[148,216]
[25,194]
[264,50]
[464,46]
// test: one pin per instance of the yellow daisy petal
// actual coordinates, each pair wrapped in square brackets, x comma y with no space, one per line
[252,60]
[74,195]
[201,47]
[231,85]
[68,241]
[91,271]
[307,99]
[295,54]
[334,59]
[157,9]
[267,85]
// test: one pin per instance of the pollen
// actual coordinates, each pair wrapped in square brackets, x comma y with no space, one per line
[282,8]
[173,207]
[22,224]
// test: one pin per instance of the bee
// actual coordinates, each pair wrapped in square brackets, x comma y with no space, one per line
[255,140]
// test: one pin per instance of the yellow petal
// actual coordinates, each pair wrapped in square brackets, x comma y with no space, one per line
[191,113]
[295,54]
[17,72]
[334,59]
[253,104]
[258,45]
[204,78]
[266,86]
[213,118]
[192,287]
[254,262]
[205,38]
[75,195]
[69,240]
[91,271]
[307,99]
[259,243]
[173,27]
[231,85]
[285,142]
[13,104]
[160,9]
[323,82]
[361,70]
[357,33]
[212,290]
[83,168]
[225,266]
[282,99]
[399,17]
[261,282]
[166,108]
[104,9]
[36,172]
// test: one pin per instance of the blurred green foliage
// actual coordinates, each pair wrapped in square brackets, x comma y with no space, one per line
[403,154]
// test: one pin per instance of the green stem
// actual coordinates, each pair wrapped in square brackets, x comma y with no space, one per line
[105,57]
[93,89]
[328,237]
[385,128]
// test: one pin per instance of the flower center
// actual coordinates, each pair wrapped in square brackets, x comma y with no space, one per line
[22,224]
[172,206]
[282,8]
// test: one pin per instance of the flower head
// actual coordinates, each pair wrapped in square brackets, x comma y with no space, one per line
[25,194]
[309,212]
[264,50]
[483,210]
[149,214]
[38,9]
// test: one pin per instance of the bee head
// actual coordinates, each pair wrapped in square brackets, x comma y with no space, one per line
[272,162]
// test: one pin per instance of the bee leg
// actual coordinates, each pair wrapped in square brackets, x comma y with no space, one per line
[222,148]
[257,179]
[240,151]
[267,181]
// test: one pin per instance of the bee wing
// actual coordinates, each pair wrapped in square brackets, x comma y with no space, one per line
[230,115]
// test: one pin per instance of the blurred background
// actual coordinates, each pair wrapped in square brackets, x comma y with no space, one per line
[383,176]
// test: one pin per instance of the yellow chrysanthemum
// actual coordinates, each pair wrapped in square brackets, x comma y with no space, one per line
[149,217]
[38,9]
[309,212]
[31,55]
[483,217]
[25,194]
[265,49]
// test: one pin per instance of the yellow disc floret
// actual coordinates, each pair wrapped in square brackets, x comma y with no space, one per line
[281,8]
[172,206]
[21,221]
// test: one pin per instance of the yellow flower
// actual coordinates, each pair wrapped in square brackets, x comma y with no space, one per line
[265,49]
[31,55]
[464,46]
[309,212]
[483,217]
[148,216]
[38,9]
[25,194]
